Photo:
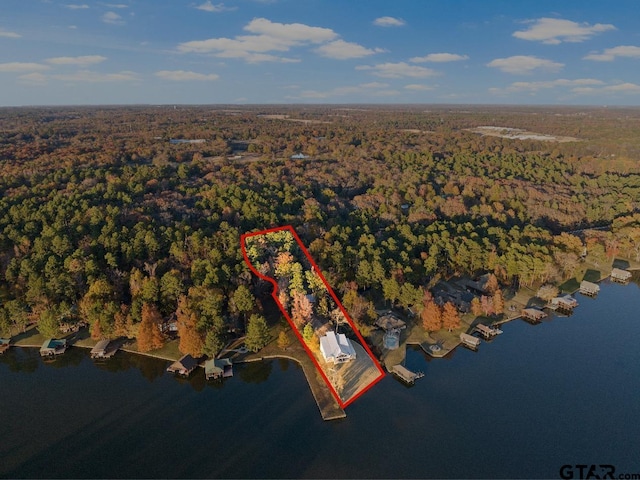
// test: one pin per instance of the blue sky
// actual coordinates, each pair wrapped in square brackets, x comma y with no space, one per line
[58,52]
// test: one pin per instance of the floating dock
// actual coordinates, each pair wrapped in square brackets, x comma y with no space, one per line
[405,374]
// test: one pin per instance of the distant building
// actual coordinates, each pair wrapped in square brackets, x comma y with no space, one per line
[299,156]
[336,348]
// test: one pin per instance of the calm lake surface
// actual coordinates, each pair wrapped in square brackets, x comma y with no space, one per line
[535,398]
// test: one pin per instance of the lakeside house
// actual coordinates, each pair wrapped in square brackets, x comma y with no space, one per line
[389,321]
[4,345]
[589,288]
[218,368]
[184,366]
[53,346]
[299,156]
[620,276]
[336,348]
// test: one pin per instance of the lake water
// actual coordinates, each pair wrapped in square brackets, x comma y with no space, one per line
[535,398]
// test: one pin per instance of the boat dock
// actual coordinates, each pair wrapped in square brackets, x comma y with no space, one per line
[487,332]
[469,341]
[53,346]
[533,315]
[620,276]
[589,288]
[104,349]
[565,303]
[405,374]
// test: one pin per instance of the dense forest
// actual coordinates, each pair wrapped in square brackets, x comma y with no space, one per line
[128,219]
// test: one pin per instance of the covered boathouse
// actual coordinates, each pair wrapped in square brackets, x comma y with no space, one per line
[217,368]
[184,366]
[589,288]
[620,276]
[53,346]
[103,349]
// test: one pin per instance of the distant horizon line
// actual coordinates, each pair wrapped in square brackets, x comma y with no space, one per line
[329,104]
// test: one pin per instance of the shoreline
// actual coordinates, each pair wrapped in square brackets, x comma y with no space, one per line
[326,403]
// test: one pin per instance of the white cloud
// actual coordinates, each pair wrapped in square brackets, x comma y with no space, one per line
[7,34]
[440,58]
[561,82]
[34,78]
[341,50]
[368,89]
[181,75]
[290,32]
[22,67]
[72,6]
[398,70]
[116,5]
[374,85]
[610,54]
[208,6]
[389,22]
[623,88]
[112,18]
[418,87]
[78,61]
[267,37]
[555,30]
[88,76]
[524,64]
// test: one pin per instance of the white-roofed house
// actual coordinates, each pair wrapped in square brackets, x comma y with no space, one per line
[336,348]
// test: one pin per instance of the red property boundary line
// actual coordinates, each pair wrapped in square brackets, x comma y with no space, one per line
[289,228]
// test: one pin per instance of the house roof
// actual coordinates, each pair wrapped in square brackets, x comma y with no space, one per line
[335,345]
[187,362]
[216,365]
[53,343]
[101,346]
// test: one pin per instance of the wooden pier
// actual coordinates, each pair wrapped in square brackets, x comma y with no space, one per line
[487,332]
[405,374]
